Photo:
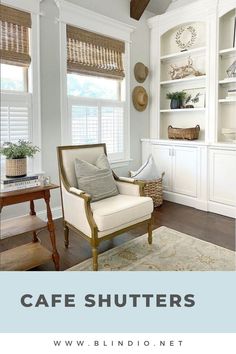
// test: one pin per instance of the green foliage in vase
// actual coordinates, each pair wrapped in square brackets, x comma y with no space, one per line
[179,95]
[18,150]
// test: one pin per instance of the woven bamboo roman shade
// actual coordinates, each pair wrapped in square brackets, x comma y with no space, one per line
[92,54]
[14,36]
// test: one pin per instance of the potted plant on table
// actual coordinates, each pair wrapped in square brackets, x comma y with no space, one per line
[176,99]
[16,157]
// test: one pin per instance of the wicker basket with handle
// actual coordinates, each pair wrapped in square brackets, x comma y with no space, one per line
[183,133]
[154,189]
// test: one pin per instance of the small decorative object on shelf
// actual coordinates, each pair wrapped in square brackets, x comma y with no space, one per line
[183,133]
[185,37]
[231,71]
[16,154]
[44,180]
[195,98]
[230,134]
[189,100]
[231,95]
[183,71]
[176,99]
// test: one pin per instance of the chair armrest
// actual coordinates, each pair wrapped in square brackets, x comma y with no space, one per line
[126,179]
[76,209]
[129,186]
[80,193]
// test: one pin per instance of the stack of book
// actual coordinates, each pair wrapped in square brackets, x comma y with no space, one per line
[11,184]
[231,94]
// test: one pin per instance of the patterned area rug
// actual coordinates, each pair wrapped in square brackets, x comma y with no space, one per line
[170,251]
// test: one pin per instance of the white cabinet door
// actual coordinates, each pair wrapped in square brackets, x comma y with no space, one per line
[223,176]
[162,156]
[185,171]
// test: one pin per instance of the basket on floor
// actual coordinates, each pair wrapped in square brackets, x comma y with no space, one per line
[154,189]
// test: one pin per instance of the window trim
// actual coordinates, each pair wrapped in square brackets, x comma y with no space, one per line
[72,14]
[33,7]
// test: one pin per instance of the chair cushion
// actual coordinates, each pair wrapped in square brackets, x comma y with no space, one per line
[98,181]
[120,209]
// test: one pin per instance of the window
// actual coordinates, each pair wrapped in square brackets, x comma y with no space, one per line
[13,78]
[95,88]
[16,101]
[15,117]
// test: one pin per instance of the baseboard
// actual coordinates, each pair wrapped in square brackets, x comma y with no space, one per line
[222,209]
[212,207]
[56,214]
[185,200]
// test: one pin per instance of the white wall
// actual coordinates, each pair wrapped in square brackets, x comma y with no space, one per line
[50,86]
[178,3]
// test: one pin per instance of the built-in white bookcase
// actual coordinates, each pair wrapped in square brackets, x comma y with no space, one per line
[199,173]
[212,54]
[171,54]
[227,55]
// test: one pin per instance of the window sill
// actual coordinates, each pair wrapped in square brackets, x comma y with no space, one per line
[120,163]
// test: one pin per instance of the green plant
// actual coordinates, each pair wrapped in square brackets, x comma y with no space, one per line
[179,95]
[18,150]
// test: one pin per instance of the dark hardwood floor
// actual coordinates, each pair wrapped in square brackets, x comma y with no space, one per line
[210,227]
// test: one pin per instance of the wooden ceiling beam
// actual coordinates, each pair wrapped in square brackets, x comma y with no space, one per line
[137,8]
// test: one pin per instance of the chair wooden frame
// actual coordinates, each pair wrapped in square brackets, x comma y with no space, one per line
[93,240]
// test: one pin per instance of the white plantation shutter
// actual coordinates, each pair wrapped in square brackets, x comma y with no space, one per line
[112,129]
[84,125]
[16,121]
[15,117]
[99,122]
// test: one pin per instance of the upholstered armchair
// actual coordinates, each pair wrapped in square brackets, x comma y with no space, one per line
[103,219]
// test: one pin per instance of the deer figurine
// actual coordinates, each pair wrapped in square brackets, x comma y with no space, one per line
[183,71]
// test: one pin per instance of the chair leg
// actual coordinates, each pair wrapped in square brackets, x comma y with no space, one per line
[150,232]
[95,258]
[66,236]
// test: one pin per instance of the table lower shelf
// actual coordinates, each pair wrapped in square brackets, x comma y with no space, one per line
[21,225]
[24,257]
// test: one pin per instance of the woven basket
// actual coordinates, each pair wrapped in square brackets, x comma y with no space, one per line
[154,189]
[16,167]
[183,133]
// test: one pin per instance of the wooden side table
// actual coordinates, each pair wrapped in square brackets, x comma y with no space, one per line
[32,254]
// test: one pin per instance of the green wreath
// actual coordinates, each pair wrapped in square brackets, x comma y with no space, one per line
[190,42]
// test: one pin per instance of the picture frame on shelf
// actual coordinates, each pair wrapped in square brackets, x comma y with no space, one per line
[234,35]
[199,94]
[231,71]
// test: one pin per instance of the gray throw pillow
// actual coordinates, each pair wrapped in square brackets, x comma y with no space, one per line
[98,181]
[102,162]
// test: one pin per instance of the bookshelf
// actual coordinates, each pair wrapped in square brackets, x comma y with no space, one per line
[209,162]
[171,55]
[226,57]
